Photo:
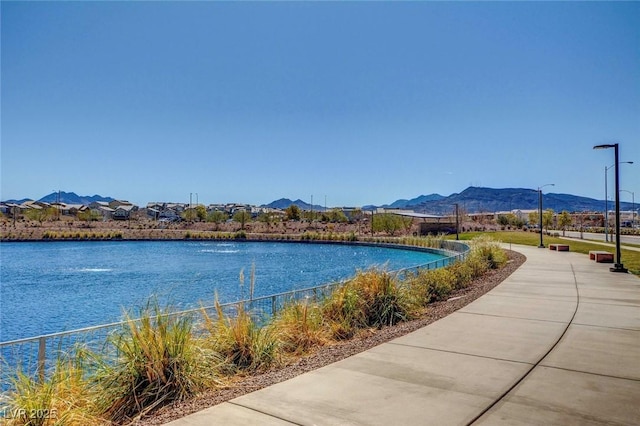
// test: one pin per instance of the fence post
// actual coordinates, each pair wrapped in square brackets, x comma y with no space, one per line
[42,353]
[273,306]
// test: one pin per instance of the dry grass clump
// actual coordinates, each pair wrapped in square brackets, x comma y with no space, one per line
[374,298]
[159,361]
[301,327]
[244,344]
[66,397]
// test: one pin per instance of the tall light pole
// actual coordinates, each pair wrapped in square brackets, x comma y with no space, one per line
[540,210]
[618,267]
[633,207]
[606,200]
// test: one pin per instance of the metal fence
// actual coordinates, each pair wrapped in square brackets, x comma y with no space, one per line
[36,355]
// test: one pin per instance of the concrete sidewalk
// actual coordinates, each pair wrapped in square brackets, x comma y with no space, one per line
[558,342]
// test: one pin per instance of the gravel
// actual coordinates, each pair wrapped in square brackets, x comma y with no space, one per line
[335,352]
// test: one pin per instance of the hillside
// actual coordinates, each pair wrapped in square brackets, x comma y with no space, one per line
[73,198]
[283,203]
[476,199]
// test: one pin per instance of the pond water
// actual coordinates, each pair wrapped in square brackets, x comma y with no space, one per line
[58,286]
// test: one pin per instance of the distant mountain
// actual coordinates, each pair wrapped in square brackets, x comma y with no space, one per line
[73,198]
[400,204]
[283,203]
[24,200]
[477,199]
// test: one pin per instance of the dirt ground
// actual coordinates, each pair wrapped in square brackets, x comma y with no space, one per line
[69,228]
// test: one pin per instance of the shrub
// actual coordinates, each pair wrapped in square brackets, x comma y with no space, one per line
[64,398]
[463,273]
[342,312]
[373,298]
[159,361]
[433,285]
[243,343]
[490,251]
[300,327]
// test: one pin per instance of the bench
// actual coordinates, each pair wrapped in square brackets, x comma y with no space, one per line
[559,247]
[601,256]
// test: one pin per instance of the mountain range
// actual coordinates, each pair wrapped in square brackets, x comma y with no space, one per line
[478,200]
[471,200]
[67,198]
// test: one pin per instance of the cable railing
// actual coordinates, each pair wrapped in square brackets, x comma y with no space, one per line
[36,355]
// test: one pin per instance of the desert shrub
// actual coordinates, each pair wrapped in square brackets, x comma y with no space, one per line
[159,361]
[435,284]
[63,398]
[463,273]
[300,326]
[478,264]
[373,298]
[341,311]
[486,249]
[244,344]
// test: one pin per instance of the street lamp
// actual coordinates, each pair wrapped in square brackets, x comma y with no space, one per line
[618,267]
[633,207]
[606,200]
[540,210]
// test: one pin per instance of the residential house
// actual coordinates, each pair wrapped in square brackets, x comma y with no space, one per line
[102,208]
[123,211]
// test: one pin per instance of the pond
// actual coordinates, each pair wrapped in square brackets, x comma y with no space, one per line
[47,287]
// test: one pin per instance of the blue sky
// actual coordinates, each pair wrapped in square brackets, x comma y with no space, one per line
[358,102]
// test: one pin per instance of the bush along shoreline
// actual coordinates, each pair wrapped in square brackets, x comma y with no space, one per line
[160,359]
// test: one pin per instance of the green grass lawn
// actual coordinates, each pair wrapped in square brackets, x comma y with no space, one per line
[630,258]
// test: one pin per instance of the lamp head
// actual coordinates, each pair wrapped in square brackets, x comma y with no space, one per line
[605,146]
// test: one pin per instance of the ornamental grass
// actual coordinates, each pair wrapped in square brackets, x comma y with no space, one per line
[244,344]
[159,361]
[66,397]
[301,326]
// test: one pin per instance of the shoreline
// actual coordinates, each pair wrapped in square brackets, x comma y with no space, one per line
[326,355]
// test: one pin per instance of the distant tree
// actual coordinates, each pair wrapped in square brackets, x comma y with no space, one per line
[201,212]
[357,215]
[292,212]
[534,218]
[387,222]
[217,217]
[189,215]
[267,218]
[40,215]
[517,222]
[503,220]
[242,217]
[564,220]
[547,218]
[407,223]
[335,216]
[89,216]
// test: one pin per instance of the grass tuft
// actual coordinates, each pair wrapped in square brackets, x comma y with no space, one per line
[301,326]
[244,344]
[64,398]
[159,361]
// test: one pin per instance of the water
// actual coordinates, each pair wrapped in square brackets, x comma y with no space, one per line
[58,286]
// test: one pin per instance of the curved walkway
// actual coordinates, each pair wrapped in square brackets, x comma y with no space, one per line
[558,342]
